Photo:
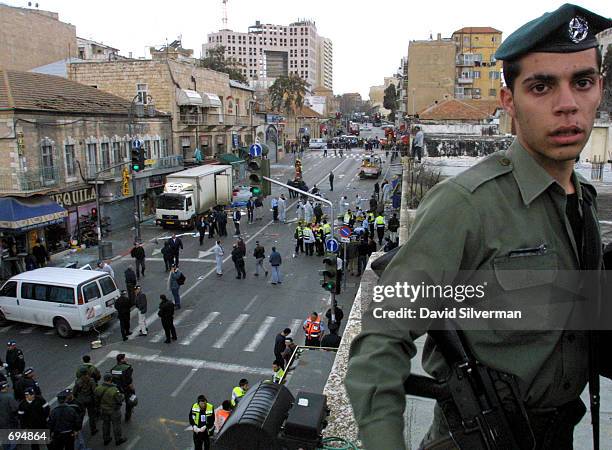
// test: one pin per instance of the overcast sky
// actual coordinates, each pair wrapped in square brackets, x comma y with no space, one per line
[369,37]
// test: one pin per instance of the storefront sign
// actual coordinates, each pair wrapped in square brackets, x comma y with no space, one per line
[156,181]
[126,182]
[75,198]
[20,143]
[273,118]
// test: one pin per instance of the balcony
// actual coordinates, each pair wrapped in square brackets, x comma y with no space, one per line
[192,119]
[465,62]
[30,180]
[166,162]
[465,80]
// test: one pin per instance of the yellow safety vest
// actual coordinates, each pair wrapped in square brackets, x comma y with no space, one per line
[195,412]
[380,220]
[278,376]
[300,232]
[237,393]
[326,228]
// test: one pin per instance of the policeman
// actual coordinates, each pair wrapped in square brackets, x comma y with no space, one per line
[8,408]
[299,239]
[26,381]
[380,227]
[84,394]
[327,229]
[15,361]
[108,401]
[122,377]
[92,370]
[64,423]
[526,208]
[123,305]
[279,373]
[239,391]
[33,412]
[202,421]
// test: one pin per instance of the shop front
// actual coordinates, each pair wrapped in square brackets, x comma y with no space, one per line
[80,205]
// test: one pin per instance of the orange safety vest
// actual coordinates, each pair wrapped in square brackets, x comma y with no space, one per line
[313,329]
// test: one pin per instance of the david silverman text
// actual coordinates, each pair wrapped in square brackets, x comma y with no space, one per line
[447,313]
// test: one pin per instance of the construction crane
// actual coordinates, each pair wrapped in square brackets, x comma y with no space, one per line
[224,20]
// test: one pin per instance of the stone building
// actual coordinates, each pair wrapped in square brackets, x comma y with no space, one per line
[89,50]
[31,38]
[209,111]
[56,136]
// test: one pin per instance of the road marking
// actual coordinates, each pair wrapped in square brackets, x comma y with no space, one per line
[184,382]
[28,330]
[7,328]
[231,330]
[156,251]
[253,300]
[132,444]
[148,321]
[260,334]
[161,334]
[183,259]
[200,328]
[296,325]
[191,362]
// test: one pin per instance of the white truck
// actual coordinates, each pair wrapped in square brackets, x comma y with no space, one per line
[192,192]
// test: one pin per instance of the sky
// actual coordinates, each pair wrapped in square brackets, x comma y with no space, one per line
[369,37]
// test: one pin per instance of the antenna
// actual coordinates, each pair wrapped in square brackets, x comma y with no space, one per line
[224,20]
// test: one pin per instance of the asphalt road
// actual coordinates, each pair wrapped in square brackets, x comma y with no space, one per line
[226,327]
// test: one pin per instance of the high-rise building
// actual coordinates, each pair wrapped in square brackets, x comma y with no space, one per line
[267,51]
[478,74]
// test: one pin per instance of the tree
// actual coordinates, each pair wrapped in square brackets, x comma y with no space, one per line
[287,94]
[606,70]
[390,101]
[216,60]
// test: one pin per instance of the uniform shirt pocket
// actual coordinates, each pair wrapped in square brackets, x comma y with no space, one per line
[526,268]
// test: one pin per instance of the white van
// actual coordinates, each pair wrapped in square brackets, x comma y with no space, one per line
[62,298]
[317,143]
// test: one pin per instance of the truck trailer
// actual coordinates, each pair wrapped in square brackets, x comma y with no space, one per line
[192,192]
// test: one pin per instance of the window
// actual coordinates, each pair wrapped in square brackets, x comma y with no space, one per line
[47,293]
[60,294]
[142,90]
[70,161]
[9,290]
[164,148]
[107,284]
[156,149]
[117,152]
[492,93]
[476,74]
[91,292]
[104,148]
[82,53]
[92,155]
[494,75]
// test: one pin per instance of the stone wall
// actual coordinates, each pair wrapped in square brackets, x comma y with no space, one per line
[31,38]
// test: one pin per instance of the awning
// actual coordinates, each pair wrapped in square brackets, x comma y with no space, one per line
[229,158]
[188,97]
[21,214]
[210,100]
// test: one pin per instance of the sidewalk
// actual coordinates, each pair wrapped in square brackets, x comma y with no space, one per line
[122,241]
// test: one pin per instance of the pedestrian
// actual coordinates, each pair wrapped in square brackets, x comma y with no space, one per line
[259,253]
[28,380]
[380,227]
[213,223]
[241,245]
[202,421]
[278,373]
[389,244]
[222,223]
[15,362]
[512,195]
[250,206]
[334,317]
[309,239]
[175,280]
[91,369]
[318,212]
[274,204]
[331,340]
[313,330]
[276,261]
[130,282]
[122,374]
[279,345]
[299,239]
[373,203]
[140,301]
[358,202]
[166,252]
[176,245]
[417,143]
[236,215]
[282,208]
[218,251]
[64,423]
[362,256]
[343,206]
[166,314]
[33,413]
[239,391]
[287,354]
[201,226]
[238,259]
[103,266]
[222,413]
[331,179]
[40,253]
[258,208]
[386,192]
[377,191]
[8,409]
[300,211]
[84,394]
[394,224]
[371,247]
[339,273]
[109,399]
[138,253]
[123,305]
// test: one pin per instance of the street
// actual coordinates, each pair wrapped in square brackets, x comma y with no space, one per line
[226,327]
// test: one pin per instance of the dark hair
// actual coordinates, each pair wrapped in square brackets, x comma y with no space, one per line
[86,358]
[287,331]
[202,398]
[108,377]
[226,405]
[512,69]
[243,381]
[163,297]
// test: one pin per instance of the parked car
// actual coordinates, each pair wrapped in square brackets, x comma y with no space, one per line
[317,144]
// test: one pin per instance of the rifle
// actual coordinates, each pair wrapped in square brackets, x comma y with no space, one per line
[478,417]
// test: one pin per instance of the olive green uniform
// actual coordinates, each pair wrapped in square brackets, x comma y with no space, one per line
[472,222]
[108,401]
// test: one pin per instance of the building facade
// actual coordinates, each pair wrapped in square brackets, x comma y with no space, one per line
[478,74]
[268,51]
[92,50]
[31,38]
[431,73]
[209,111]
[60,138]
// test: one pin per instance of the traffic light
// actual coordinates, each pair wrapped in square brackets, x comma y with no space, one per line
[137,159]
[94,214]
[330,274]
[256,176]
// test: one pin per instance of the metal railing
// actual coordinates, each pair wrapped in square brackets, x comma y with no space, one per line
[166,162]
[29,180]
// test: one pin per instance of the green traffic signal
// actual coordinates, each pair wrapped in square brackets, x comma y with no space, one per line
[330,273]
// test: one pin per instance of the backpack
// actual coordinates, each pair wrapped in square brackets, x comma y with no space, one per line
[181,279]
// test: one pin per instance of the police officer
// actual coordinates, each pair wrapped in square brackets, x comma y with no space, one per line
[122,377]
[123,305]
[33,412]
[202,421]
[239,391]
[299,239]
[84,394]
[15,361]
[525,207]
[64,423]
[91,369]
[108,401]
[25,382]
[8,408]
[279,372]
[380,227]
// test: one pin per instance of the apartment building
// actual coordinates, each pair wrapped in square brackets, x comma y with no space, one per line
[268,51]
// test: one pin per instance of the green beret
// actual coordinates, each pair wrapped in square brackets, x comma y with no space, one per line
[569,29]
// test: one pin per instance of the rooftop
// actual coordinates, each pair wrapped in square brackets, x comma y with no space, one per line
[476,30]
[453,109]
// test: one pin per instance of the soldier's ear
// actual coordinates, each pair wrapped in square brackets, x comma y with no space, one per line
[507,100]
